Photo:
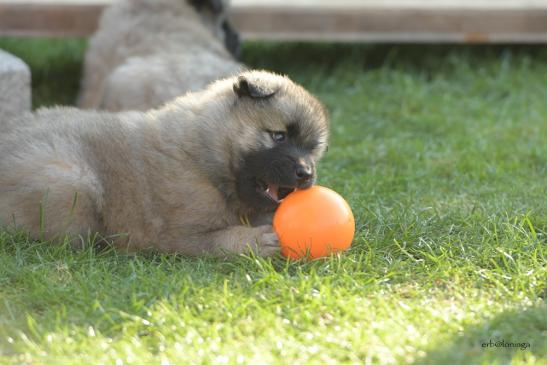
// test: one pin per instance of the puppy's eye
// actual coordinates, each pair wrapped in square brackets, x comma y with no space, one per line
[278,137]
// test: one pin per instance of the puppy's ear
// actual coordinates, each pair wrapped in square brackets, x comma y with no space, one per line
[244,87]
[231,39]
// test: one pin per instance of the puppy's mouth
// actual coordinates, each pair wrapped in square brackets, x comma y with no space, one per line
[274,192]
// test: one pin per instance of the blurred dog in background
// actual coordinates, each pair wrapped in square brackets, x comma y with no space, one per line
[148,52]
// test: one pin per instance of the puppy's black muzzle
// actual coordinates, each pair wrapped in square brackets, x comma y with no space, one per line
[284,165]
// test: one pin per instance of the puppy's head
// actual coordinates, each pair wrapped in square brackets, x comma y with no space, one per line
[278,133]
[213,14]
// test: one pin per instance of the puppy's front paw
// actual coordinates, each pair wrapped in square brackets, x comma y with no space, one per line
[268,244]
[266,241]
[262,241]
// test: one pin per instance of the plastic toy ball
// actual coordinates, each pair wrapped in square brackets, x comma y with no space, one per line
[313,223]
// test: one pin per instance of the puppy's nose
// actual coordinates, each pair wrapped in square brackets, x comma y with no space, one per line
[303,173]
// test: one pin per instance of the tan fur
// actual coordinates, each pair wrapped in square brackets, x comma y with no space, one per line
[147,52]
[162,179]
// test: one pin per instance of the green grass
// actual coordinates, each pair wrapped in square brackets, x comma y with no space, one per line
[442,154]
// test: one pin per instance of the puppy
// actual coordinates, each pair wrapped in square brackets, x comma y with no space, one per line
[182,178]
[147,52]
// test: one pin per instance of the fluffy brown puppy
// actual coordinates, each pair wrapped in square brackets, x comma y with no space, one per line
[179,178]
[147,52]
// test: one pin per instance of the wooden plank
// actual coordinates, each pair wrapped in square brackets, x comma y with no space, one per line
[394,4]
[49,20]
[389,24]
[302,21]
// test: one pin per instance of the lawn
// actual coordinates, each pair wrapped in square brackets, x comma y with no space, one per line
[442,154]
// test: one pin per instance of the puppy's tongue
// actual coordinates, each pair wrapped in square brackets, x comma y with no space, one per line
[273,192]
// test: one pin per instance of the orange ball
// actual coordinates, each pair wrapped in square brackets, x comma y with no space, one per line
[313,223]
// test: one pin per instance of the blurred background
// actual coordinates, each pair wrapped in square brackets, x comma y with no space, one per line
[299,37]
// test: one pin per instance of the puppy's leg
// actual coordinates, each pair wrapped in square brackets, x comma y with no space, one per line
[260,240]
[50,205]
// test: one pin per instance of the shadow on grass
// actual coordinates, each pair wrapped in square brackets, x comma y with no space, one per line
[508,337]
[47,285]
